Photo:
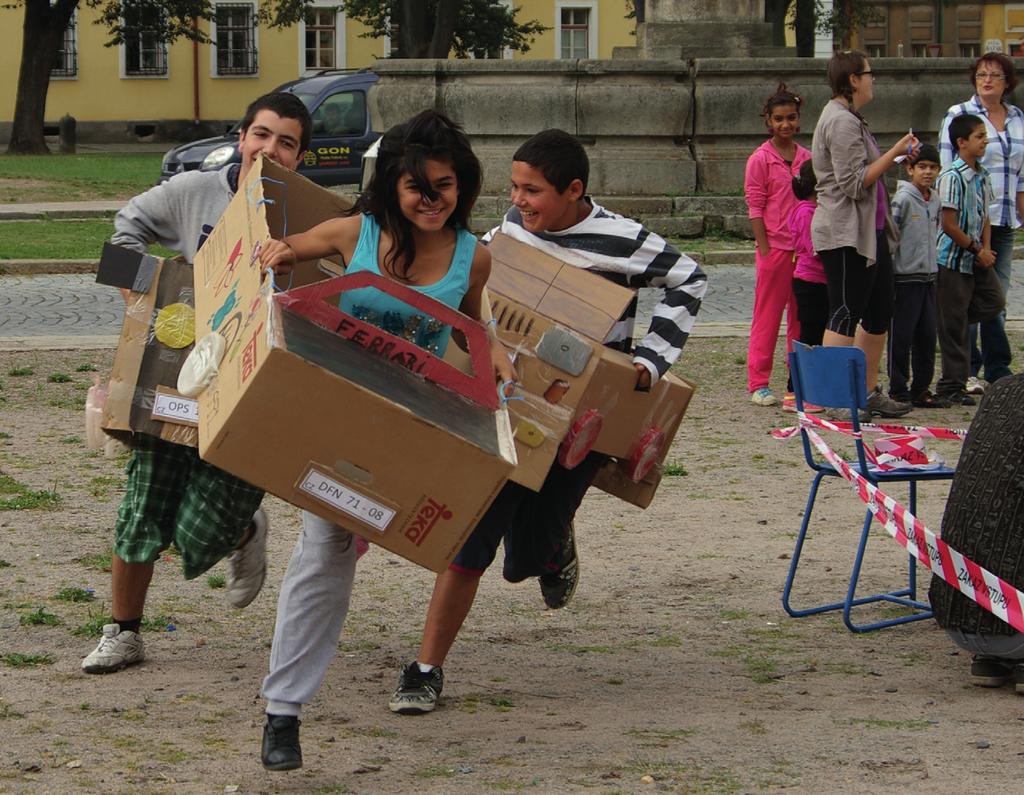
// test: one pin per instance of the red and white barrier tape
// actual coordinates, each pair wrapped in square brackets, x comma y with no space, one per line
[989,591]
[902,450]
[846,427]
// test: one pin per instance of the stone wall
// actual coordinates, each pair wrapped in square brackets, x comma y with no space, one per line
[653,128]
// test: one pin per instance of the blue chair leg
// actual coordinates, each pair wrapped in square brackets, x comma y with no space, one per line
[797,551]
[906,597]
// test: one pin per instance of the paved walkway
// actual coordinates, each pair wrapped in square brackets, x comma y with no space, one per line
[72,311]
[56,312]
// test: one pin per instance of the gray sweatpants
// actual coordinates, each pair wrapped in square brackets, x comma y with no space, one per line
[311,612]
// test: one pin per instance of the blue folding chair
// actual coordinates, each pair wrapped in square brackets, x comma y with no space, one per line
[835,377]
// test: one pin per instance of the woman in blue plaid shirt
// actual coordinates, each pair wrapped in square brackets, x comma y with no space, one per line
[994,79]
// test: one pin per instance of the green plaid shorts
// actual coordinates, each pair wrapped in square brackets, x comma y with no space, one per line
[175,496]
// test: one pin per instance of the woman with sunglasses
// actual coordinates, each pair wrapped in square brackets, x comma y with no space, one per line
[994,78]
[852,230]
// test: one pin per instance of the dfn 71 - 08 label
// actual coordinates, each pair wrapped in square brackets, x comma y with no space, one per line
[337,495]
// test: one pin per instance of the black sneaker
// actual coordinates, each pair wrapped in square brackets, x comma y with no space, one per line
[991,671]
[558,588]
[281,749]
[418,692]
[959,398]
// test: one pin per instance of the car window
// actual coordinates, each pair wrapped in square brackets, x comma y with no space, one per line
[341,114]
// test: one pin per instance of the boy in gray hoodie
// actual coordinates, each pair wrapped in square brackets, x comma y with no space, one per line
[173,496]
[912,334]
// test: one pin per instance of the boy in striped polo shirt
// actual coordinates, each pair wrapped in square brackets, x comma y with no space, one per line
[968,289]
[552,212]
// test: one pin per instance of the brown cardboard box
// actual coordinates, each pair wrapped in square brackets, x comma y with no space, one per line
[637,428]
[332,414]
[141,396]
[556,317]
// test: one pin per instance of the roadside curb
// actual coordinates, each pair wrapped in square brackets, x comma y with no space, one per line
[43,267]
[56,215]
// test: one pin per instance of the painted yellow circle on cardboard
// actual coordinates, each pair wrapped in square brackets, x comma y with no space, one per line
[175,325]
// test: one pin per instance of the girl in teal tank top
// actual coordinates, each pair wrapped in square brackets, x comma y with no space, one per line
[394,315]
[409,225]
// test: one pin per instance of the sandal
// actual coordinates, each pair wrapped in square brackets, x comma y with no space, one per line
[926,400]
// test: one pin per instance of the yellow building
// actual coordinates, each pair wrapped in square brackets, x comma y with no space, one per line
[931,29]
[144,80]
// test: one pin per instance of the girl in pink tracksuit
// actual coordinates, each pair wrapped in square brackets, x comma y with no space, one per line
[770,200]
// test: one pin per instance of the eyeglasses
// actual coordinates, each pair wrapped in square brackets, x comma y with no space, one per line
[986,75]
[874,74]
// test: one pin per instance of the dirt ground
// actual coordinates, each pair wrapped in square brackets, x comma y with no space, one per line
[674,669]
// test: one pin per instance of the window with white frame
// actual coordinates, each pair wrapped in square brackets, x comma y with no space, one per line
[235,37]
[144,51]
[66,62]
[321,39]
[575,29]
[574,33]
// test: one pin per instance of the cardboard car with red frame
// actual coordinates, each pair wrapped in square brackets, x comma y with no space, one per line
[333,414]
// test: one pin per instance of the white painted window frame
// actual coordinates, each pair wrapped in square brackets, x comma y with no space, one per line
[592,39]
[339,39]
[123,70]
[72,21]
[255,43]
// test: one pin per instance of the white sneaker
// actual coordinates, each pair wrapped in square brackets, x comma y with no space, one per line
[763,397]
[247,566]
[115,651]
[976,386]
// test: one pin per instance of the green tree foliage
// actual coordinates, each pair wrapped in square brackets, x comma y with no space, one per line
[43,33]
[434,28]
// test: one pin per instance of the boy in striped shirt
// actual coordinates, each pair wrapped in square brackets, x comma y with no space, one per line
[968,290]
[552,212]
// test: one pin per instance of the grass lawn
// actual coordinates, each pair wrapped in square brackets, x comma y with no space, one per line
[57,239]
[55,177]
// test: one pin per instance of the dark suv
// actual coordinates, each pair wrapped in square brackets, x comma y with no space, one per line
[341,131]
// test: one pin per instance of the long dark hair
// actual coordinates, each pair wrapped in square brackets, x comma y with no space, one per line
[404,150]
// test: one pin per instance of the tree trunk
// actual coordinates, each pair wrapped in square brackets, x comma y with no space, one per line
[775,12]
[414,29]
[444,28]
[41,39]
[804,28]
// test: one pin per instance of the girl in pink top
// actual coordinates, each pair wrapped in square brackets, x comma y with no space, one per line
[809,274]
[770,200]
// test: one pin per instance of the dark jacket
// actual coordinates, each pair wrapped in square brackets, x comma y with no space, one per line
[984,517]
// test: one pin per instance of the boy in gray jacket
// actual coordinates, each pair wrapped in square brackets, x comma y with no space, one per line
[912,334]
[172,496]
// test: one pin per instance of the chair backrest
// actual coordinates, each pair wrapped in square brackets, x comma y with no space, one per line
[834,377]
[829,376]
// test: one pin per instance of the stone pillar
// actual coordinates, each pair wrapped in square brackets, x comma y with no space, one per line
[684,29]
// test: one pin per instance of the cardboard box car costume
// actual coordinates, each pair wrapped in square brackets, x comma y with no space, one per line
[156,337]
[335,415]
[159,328]
[575,394]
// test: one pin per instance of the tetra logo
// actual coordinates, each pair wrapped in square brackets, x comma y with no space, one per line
[429,515]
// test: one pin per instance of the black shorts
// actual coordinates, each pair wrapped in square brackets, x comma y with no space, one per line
[858,293]
[533,524]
